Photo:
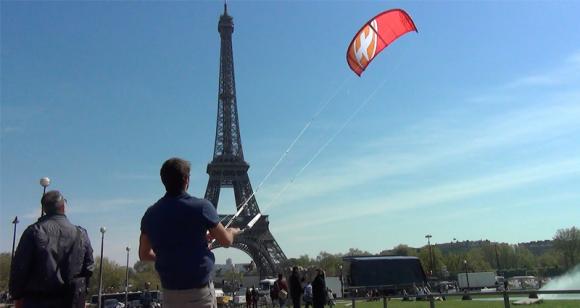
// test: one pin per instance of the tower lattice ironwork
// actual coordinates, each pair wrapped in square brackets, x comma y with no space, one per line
[229,169]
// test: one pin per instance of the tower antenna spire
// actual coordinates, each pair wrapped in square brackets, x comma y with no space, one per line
[225,7]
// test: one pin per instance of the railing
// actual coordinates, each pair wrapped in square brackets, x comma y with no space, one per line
[431,297]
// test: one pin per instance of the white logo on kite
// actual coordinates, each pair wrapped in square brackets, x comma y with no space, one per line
[367,44]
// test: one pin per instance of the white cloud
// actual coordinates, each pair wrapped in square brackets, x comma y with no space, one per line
[452,191]
[103,206]
[574,58]
[11,129]
[535,80]
[33,214]
[135,177]
[566,73]
[94,206]
[378,160]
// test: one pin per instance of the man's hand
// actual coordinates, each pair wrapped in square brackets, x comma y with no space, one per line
[234,231]
[223,236]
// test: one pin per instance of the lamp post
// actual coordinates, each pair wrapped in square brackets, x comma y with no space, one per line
[103,230]
[44,182]
[341,281]
[428,237]
[127,278]
[497,260]
[466,296]
[15,222]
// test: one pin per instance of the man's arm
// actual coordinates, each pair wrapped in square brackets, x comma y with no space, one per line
[88,261]
[223,236]
[146,252]
[22,264]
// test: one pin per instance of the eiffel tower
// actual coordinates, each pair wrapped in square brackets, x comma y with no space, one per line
[229,169]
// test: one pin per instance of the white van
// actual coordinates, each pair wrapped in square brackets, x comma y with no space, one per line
[266,285]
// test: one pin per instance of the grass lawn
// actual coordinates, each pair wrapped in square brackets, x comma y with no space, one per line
[457,303]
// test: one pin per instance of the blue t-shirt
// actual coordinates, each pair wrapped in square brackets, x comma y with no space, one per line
[177,227]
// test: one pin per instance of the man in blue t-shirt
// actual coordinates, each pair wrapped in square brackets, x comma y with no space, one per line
[174,235]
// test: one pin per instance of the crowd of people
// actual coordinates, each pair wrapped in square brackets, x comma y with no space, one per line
[300,291]
[252,297]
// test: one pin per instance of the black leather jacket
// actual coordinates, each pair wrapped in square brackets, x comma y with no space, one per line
[51,254]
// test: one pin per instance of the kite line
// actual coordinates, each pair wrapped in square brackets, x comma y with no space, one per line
[331,139]
[285,154]
[328,142]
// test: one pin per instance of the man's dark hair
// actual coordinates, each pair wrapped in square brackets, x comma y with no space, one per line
[52,202]
[174,174]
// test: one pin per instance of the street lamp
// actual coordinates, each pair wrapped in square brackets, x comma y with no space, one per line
[497,259]
[15,222]
[44,182]
[341,281]
[466,296]
[428,237]
[127,277]
[103,230]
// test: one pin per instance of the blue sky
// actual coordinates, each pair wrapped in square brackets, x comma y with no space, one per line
[469,129]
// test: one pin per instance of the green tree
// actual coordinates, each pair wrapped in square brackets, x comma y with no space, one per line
[234,277]
[438,259]
[357,252]
[4,270]
[144,272]
[476,261]
[526,259]
[403,250]
[303,261]
[567,241]
[329,262]
[113,277]
[506,256]
[549,259]
[488,253]
[454,262]
[548,263]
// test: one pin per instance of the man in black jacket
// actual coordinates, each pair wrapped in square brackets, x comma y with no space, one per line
[53,261]
[295,287]
[319,293]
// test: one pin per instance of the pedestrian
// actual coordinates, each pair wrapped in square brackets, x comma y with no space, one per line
[174,234]
[319,295]
[248,298]
[255,297]
[295,287]
[307,295]
[146,297]
[54,260]
[330,297]
[274,294]
[405,295]
[281,290]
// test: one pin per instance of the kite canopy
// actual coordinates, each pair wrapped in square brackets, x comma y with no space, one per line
[375,36]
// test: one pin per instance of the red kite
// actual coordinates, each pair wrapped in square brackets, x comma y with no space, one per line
[375,36]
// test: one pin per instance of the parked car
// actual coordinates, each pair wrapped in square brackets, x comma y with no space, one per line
[240,296]
[223,300]
[265,286]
